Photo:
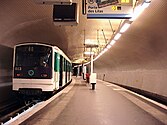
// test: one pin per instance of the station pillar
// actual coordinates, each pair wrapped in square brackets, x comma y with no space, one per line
[92,75]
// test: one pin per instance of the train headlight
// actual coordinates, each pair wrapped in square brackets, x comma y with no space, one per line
[44,75]
[19,75]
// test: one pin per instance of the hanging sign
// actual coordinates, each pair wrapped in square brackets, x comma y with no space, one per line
[110,9]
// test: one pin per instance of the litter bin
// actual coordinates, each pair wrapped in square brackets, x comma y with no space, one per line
[93,80]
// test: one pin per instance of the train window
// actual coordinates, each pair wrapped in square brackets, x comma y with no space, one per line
[64,64]
[67,66]
[57,62]
[33,56]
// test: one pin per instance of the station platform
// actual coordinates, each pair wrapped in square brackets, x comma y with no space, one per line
[108,104]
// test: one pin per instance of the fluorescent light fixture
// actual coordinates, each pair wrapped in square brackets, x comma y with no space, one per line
[139,9]
[96,58]
[146,4]
[105,49]
[88,53]
[124,27]
[99,56]
[108,46]
[117,36]
[137,12]
[112,42]
[87,63]
[101,53]
[88,41]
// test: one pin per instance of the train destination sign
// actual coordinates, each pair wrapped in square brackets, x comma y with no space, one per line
[111,9]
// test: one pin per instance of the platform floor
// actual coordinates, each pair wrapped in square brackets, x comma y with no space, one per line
[106,105]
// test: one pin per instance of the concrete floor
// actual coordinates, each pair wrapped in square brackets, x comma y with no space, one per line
[106,105]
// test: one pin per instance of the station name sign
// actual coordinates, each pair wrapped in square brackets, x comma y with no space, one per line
[111,9]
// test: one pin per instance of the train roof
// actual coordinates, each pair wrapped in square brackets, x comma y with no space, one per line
[29,43]
[57,49]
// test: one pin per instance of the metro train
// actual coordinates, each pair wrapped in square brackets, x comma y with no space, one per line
[39,70]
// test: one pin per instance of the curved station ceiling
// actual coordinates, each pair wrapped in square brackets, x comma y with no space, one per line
[25,21]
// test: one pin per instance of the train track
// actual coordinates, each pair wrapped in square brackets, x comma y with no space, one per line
[12,110]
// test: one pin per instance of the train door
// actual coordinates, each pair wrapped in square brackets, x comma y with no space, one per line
[66,69]
[61,71]
[57,69]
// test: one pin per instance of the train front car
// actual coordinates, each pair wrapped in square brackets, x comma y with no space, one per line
[33,70]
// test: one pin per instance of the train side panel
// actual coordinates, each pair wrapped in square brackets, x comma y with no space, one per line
[56,70]
[43,84]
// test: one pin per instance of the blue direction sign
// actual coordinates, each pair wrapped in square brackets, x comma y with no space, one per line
[111,9]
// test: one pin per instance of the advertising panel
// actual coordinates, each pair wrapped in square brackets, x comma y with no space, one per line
[111,9]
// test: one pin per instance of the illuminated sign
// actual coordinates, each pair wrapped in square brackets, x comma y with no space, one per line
[112,9]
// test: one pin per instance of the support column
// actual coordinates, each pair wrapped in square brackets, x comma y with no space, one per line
[91,64]
[92,75]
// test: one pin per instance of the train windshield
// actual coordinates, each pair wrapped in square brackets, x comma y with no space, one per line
[33,55]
